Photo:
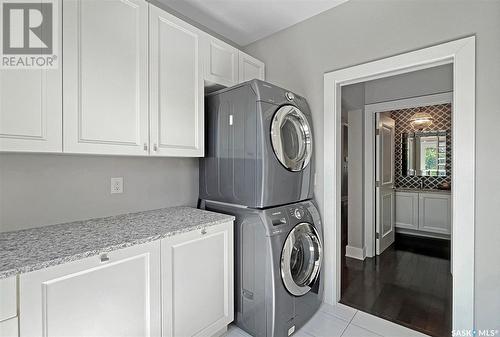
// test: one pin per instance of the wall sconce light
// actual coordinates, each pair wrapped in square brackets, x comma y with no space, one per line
[420,120]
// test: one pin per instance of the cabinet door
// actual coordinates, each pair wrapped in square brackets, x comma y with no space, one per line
[197,282]
[31,107]
[407,210]
[435,212]
[106,77]
[115,294]
[221,62]
[9,328]
[250,68]
[176,87]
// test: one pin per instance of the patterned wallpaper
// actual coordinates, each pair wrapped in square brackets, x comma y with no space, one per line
[441,115]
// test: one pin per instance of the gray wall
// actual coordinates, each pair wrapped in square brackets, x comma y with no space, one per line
[418,83]
[41,189]
[362,31]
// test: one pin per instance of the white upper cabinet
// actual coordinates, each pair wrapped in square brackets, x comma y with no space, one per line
[176,87]
[250,68]
[31,108]
[115,294]
[105,77]
[220,62]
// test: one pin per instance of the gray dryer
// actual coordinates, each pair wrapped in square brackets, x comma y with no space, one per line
[259,146]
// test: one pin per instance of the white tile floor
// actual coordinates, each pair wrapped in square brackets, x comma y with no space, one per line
[341,320]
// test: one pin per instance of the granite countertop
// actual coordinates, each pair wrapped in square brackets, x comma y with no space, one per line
[424,190]
[37,248]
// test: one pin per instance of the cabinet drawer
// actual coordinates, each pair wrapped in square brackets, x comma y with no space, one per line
[8,294]
[9,328]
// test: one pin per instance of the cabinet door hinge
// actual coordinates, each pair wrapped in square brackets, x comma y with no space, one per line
[377,236]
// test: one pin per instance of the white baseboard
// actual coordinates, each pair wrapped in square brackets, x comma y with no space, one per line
[355,252]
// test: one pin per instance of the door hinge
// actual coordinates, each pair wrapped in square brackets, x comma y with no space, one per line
[377,132]
[377,184]
[377,236]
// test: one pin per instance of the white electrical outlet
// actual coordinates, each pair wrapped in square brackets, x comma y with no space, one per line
[116,185]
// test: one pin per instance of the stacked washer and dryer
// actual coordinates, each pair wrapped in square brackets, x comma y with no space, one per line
[259,168]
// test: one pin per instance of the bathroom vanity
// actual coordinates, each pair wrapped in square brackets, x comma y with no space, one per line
[423,212]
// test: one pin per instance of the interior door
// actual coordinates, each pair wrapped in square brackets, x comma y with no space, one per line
[385,196]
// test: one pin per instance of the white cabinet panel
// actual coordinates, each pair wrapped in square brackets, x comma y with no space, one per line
[176,87]
[220,62]
[9,328]
[435,212]
[31,108]
[116,294]
[407,210]
[8,296]
[106,76]
[197,281]
[250,68]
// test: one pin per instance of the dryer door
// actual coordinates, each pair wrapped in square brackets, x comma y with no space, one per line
[291,138]
[301,259]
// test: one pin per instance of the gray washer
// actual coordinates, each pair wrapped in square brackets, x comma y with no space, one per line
[278,257]
[259,146]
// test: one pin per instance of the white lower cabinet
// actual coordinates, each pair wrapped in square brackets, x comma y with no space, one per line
[424,212]
[114,294]
[197,282]
[406,210]
[434,212]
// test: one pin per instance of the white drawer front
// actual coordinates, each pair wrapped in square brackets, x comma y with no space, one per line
[8,294]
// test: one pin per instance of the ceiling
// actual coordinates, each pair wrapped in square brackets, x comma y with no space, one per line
[246,21]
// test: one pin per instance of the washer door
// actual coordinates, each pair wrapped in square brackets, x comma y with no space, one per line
[291,138]
[301,259]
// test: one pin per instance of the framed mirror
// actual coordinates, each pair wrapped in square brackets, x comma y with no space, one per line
[424,154]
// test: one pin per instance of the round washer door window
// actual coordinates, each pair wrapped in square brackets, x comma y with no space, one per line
[291,138]
[301,259]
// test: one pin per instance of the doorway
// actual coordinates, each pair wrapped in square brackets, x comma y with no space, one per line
[404,275]
[460,53]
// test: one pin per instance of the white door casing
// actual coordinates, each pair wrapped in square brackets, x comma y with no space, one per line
[105,77]
[385,198]
[114,294]
[176,87]
[461,53]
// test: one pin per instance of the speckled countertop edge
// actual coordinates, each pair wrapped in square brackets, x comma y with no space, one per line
[28,250]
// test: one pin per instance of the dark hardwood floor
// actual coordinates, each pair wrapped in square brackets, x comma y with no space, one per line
[409,284]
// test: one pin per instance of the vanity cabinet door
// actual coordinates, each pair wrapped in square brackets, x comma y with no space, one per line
[115,295]
[250,68]
[105,77]
[406,210]
[434,213]
[197,282]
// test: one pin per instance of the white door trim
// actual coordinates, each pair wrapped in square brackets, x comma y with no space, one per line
[369,150]
[461,53]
